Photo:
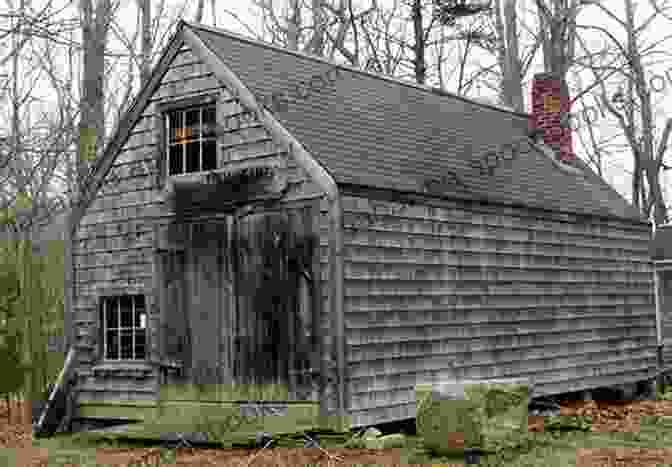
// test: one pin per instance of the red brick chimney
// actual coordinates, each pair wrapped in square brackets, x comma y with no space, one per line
[550,100]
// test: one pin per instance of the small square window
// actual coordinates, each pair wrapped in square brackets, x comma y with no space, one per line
[124,322]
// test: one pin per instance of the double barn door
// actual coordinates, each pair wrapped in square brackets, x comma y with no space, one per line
[241,300]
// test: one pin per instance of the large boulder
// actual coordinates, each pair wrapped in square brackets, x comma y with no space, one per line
[456,415]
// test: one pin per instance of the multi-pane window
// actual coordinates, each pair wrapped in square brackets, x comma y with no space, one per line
[124,327]
[192,142]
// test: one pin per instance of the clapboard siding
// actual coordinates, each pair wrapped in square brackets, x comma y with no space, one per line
[665,303]
[458,291]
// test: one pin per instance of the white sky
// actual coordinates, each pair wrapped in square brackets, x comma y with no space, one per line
[617,164]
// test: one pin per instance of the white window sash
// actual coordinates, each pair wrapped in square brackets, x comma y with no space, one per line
[167,125]
[133,328]
[105,328]
[183,119]
[200,139]
[119,329]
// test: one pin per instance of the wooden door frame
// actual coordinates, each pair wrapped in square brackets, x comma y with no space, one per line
[317,344]
[163,246]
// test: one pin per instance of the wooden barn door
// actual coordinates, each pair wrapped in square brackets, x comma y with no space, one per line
[274,342]
[241,301]
[199,304]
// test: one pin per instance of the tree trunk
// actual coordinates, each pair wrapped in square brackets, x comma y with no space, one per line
[648,162]
[507,54]
[91,127]
[293,19]
[145,11]
[317,42]
[419,66]
[199,11]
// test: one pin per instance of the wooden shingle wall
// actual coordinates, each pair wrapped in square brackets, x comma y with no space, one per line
[665,301]
[116,238]
[114,253]
[468,292]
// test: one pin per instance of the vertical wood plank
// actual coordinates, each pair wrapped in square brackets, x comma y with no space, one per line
[317,337]
[225,287]
[290,310]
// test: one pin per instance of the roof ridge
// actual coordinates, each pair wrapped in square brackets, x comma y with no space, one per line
[422,87]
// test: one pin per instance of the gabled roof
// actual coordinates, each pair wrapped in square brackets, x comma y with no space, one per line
[377,131]
[368,129]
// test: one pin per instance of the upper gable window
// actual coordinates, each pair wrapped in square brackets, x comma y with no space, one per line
[191,144]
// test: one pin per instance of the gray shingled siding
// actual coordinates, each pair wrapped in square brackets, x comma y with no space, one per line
[449,290]
[115,249]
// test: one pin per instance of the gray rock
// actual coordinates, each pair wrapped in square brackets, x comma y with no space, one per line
[311,441]
[396,440]
[262,438]
[371,432]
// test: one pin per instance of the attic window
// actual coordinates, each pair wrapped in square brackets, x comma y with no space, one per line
[124,327]
[191,144]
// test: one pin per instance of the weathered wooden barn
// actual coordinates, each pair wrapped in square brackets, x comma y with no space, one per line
[265,216]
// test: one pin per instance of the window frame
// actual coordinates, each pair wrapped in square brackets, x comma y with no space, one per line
[163,110]
[104,300]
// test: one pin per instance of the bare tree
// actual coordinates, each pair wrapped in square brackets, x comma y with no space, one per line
[95,28]
[144,7]
[332,23]
[631,105]
[510,63]
[198,17]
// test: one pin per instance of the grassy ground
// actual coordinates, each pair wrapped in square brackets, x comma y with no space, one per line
[547,449]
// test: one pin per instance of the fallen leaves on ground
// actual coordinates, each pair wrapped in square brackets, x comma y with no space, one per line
[616,416]
[625,457]
[18,437]
[607,416]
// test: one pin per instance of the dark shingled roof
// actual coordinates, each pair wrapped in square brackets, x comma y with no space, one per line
[369,129]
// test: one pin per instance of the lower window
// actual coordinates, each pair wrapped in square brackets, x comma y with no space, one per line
[124,323]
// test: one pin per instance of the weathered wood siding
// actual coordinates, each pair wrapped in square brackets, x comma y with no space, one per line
[117,238]
[665,302]
[448,291]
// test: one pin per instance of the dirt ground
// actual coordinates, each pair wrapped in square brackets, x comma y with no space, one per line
[607,416]
[610,416]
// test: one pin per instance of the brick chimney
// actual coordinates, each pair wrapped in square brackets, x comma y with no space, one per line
[550,100]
